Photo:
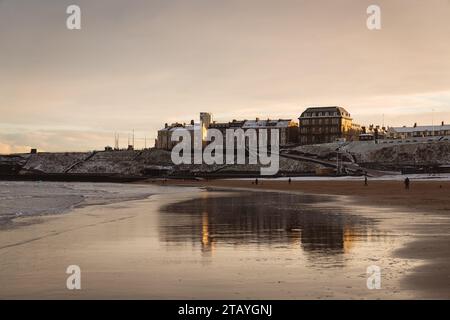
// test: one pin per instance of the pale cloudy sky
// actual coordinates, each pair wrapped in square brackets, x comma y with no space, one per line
[141,63]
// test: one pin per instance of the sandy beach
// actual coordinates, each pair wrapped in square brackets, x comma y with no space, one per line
[426,204]
[429,196]
[193,243]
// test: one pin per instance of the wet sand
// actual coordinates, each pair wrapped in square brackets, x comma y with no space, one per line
[426,202]
[428,196]
[198,244]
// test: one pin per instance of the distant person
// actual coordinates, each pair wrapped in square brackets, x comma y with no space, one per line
[365,180]
[289,181]
[407,183]
[256,181]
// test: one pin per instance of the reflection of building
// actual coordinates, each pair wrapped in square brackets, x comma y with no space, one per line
[349,239]
[265,219]
[418,131]
[326,124]
[207,242]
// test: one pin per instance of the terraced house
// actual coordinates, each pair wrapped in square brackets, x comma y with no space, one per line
[416,131]
[288,129]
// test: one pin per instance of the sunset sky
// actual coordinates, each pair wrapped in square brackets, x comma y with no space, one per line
[137,64]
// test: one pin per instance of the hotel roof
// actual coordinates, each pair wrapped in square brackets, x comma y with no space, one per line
[340,110]
[281,123]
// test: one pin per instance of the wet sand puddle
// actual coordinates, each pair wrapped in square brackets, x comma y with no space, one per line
[303,245]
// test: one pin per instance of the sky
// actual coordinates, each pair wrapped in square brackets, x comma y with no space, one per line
[138,64]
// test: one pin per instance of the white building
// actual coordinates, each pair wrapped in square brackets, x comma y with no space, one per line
[419,131]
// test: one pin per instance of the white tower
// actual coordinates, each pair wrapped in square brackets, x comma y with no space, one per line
[205,121]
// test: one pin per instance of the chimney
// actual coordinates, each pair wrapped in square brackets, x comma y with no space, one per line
[415,124]
[192,122]
[442,123]
[166,125]
[257,119]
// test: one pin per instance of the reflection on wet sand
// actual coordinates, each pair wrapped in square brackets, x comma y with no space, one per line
[313,223]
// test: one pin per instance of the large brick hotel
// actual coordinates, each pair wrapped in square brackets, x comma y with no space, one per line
[326,124]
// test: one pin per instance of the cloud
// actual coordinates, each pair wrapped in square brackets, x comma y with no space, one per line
[23,140]
[139,64]
[8,149]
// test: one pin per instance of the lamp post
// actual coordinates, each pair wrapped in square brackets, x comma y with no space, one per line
[338,164]
[432,121]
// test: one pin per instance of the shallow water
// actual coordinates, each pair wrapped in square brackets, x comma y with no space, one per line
[25,198]
[266,219]
[296,245]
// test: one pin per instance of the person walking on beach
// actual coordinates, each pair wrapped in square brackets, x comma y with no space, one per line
[289,180]
[365,180]
[407,183]
[256,181]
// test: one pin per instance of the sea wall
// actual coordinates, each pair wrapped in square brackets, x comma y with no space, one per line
[152,162]
[157,163]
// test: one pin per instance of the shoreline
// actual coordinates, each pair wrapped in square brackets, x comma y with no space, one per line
[52,198]
[423,195]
